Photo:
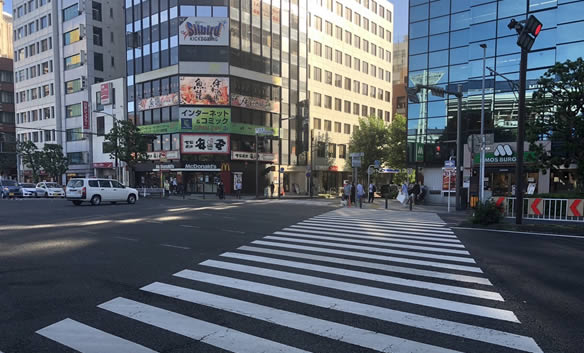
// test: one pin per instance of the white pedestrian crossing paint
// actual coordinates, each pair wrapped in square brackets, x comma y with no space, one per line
[206,332]
[329,329]
[86,339]
[396,257]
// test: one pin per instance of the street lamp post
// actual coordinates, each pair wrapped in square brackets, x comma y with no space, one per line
[483,142]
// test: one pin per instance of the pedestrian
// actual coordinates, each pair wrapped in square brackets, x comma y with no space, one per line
[220,190]
[353,193]
[238,188]
[372,190]
[360,194]
[347,190]
[166,188]
[404,191]
[174,186]
[416,191]
[272,186]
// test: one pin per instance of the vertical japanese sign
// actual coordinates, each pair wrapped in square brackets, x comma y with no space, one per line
[204,144]
[105,91]
[85,115]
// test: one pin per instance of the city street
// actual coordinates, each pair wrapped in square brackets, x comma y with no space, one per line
[277,276]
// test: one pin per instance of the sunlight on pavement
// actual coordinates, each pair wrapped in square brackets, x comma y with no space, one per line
[45,247]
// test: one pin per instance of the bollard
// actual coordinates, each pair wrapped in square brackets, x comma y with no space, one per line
[386,201]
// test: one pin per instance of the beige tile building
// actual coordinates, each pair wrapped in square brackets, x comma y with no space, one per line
[350,77]
[5,33]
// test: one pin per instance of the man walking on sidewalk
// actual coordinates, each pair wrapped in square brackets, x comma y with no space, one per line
[347,191]
[371,192]
[238,188]
[360,194]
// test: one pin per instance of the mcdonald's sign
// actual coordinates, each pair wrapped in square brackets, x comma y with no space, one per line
[225,167]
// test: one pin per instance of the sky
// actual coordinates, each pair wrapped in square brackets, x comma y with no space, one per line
[400,17]
[8,6]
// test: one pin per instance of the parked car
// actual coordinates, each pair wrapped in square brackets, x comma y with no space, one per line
[49,189]
[10,188]
[30,190]
[96,191]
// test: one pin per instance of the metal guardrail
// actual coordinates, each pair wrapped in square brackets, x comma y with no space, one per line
[545,209]
[146,192]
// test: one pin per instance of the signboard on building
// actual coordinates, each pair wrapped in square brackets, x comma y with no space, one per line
[105,93]
[188,126]
[448,176]
[204,31]
[154,156]
[158,102]
[204,144]
[103,165]
[504,154]
[195,90]
[202,166]
[266,105]
[85,115]
[197,119]
[251,156]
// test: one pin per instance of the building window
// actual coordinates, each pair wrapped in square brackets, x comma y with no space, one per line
[320,149]
[76,158]
[356,108]
[100,122]
[332,150]
[317,48]
[347,83]
[317,99]
[364,111]
[328,126]
[318,23]
[68,38]
[328,102]
[342,151]
[96,10]
[328,53]
[338,33]
[338,81]
[97,36]
[338,104]
[70,12]
[72,61]
[329,28]
[317,123]
[73,110]
[73,86]
[338,127]
[98,61]
[347,108]
[339,57]
[348,61]
[328,77]
[75,134]
[347,129]
[317,74]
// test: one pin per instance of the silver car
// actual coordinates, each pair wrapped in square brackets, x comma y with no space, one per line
[30,190]
[50,189]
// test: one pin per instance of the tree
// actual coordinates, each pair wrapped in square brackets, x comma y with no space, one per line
[557,115]
[127,144]
[31,157]
[378,141]
[53,161]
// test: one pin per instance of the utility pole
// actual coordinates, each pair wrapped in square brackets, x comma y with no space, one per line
[483,141]
[257,166]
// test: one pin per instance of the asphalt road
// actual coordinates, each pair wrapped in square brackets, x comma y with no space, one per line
[277,276]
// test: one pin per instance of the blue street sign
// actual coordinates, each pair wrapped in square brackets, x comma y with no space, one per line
[308,175]
[449,164]
[377,163]
[388,171]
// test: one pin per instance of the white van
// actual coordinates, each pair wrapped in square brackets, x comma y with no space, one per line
[96,191]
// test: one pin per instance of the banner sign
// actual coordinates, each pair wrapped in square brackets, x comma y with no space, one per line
[105,91]
[204,31]
[102,165]
[182,126]
[204,90]
[203,166]
[446,178]
[247,129]
[85,115]
[154,156]
[158,102]
[251,156]
[266,105]
[204,144]
[205,119]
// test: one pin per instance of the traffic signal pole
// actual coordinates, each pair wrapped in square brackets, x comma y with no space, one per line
[459,152]
[520,138]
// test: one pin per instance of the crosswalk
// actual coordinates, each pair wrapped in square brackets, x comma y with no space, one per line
[343,281]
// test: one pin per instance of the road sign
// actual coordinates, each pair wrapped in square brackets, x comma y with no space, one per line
[388,171]
[356,162]
[357,154]
[450,164]
[262,131]
[377,163]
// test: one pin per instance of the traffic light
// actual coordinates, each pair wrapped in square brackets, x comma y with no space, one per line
[528,31]
[413,94]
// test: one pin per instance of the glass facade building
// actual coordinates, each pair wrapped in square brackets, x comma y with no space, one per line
[216,70]
[444,50]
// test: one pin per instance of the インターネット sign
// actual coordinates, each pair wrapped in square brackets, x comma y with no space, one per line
[204,144]
[204,31]
[205,119]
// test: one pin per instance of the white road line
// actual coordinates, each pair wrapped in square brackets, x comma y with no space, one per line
[231,231]
[408,238]
[189,226]
[382,232]
[380,220]
[450,305]
[339,332]
[453,328]
[125,238]
[206,332]
[155,222]
[477,293]
[351,224]
[381,229]
[374,249]
[371,256]
[372,265]
[378,243]
[176,246]
[86,339]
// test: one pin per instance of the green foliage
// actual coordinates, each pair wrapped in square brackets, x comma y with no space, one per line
[558,116]
[53,161]
[31,157]
[487,213]
[127,143]
[386,143]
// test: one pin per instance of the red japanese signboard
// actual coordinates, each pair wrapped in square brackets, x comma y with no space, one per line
[85,115]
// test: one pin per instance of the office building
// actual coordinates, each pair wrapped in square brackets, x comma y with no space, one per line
[350,65]
[60,49]
[399,95]
[7,137]
[203,77]
[444,50]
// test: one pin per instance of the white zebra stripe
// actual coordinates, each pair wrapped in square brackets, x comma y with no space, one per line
[356,224]
[371,242]
[381,229]
[471,309]
[477,293]
[453,328]
[370,248]
[372,265]
[206,332]
[381,220]
[87,339]
[329,329]
[371,256]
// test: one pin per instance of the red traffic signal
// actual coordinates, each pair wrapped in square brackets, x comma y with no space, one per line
[533,26]
[529,32]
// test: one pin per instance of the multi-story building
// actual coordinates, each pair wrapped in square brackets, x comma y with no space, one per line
[350,66]
[7,138]
[444,50]
[202,77]
[60,49]
[399,95]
